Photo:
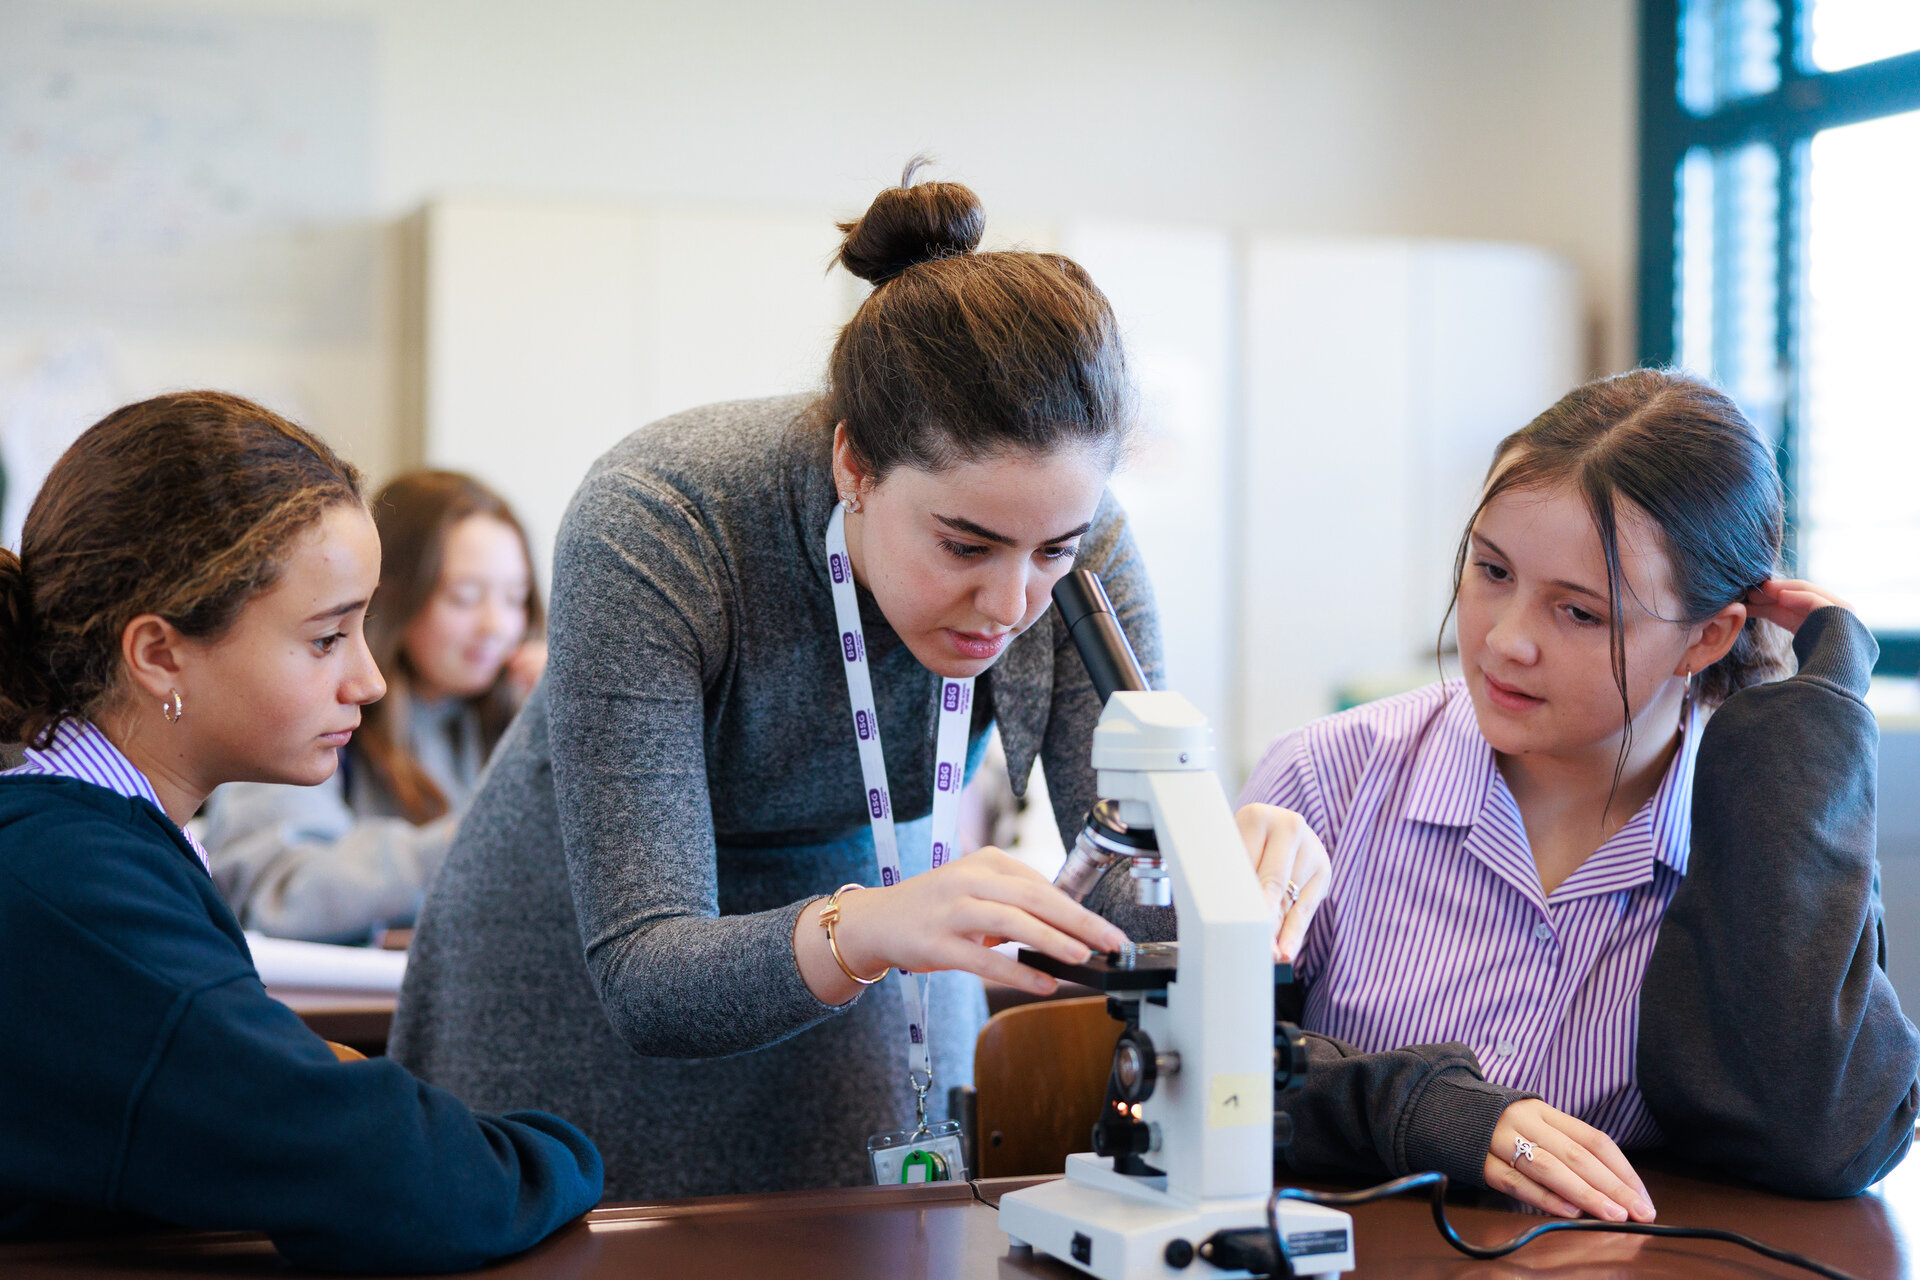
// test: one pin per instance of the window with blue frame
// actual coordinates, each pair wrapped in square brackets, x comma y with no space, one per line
[1780,255]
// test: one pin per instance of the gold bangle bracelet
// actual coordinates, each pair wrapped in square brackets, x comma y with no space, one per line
[830,916]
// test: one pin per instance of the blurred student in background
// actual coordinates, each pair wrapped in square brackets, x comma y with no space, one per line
[455,628]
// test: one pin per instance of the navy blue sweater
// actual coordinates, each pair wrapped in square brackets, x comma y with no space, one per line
[145,1070]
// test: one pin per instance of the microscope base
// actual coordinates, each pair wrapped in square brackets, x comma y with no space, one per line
[1118,1228]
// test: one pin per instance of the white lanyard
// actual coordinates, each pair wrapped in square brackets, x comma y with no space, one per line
[950,758]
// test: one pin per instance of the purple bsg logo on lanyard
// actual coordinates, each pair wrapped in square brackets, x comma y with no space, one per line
[954,701]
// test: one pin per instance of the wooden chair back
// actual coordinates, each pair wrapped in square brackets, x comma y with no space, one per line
[1040,1074]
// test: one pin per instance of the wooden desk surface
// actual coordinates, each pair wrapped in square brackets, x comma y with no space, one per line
[363,1021]
[941,1231]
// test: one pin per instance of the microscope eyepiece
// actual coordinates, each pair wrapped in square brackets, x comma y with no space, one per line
[1096,633]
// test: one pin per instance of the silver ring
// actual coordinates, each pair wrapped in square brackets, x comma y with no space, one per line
[1522,1149]
[1289,896]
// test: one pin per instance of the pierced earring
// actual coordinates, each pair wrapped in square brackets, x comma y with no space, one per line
[173,708]
[850,502]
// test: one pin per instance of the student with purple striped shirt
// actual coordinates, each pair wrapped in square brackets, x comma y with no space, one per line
[187,609]
[1616,886]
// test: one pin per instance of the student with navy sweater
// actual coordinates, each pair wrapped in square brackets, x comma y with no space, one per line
[187,610]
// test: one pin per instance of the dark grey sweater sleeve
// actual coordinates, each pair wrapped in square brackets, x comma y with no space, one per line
[1385,1115]
[1772,1046]
[639,625]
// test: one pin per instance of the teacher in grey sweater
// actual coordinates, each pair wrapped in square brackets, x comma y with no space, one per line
[628,929]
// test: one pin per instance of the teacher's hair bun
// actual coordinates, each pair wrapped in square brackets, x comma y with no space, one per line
[907,225]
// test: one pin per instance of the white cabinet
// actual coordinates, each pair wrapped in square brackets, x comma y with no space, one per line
[548,332]
[1172,292]
[1379,376]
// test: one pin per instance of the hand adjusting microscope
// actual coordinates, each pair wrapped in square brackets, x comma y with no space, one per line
[1179,1179]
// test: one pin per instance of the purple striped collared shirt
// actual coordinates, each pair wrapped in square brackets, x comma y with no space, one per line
[80,750]
[1436,929]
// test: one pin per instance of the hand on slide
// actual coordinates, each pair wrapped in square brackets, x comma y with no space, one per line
[1786,602]
[1285,851]
[952,917]
[1574,1168]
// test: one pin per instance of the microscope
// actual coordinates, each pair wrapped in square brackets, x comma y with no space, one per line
[1181,1172]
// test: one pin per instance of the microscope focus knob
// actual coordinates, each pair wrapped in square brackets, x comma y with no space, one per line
[1123,1138]
[1137,1067]
[1289,1057]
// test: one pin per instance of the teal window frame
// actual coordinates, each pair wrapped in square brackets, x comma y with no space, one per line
[1804,102]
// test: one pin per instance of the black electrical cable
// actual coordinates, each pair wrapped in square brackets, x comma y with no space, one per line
[1438,1184]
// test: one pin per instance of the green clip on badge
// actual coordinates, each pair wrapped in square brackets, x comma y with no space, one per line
[931,1152]
[924,1166]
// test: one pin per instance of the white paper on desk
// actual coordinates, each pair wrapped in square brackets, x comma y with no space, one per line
[319,966]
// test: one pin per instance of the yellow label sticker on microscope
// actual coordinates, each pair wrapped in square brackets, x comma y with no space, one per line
[1238,1100]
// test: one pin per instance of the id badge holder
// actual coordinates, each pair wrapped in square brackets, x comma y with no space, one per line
[929,1154]
[924,1153]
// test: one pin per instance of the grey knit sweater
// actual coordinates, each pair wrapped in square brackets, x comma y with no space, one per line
[338,862]
[611,936]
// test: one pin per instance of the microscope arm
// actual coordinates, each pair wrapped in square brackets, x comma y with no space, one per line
[1385,1115]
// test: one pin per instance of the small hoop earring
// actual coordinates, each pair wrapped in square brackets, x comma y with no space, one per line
[173,708]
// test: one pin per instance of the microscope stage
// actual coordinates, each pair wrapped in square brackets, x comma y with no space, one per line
[1150,968]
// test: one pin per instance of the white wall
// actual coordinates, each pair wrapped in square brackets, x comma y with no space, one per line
[1380,375]
[1175,292]
[1501,119]
[551,331]
[1496,119]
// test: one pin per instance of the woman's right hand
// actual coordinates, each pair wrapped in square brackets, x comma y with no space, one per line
[952,918]
[1573,1168]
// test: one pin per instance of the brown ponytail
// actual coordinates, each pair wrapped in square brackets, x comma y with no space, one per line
[24,684]
[182,506]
